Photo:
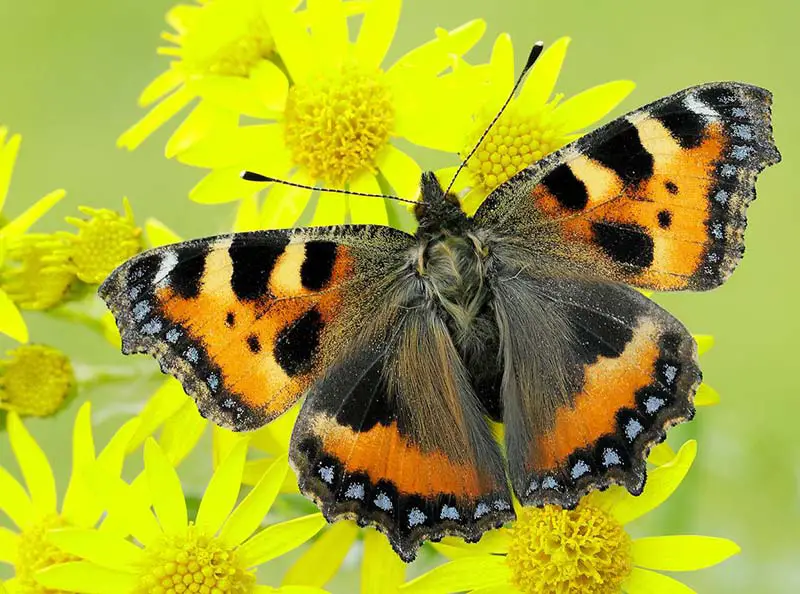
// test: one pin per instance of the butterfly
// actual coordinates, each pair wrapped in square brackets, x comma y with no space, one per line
[407,347]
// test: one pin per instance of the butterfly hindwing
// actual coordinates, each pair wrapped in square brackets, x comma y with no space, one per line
[394,436]
[248,321]
[616,373]
[656,198]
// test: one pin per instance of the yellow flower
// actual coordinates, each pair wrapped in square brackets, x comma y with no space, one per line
[35,510]
[103,242]
[533,124]
[11,322]
[382,571]
[219,47]
[220,549]
[582,551]
[335,124]
[37,274]
[35,380]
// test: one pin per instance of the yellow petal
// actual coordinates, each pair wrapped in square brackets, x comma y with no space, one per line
[112,456]
[165,489]
[15,501]
[462,574]
[284,204]
[661,454]
[501,589]
[11,320]
[164,83]
[400,170]
[247,215]
[704,343]
[222,491]
[377,32]
[706,396]
[279,539]
[181,432]
[364,210]
[329,34]
[590,106]
[25,221]
[320,562]
[203,121]
[118,525]
[502,72]
[241,95]
[494,542]
[34,466]
[291,38]
[8,546]
[86,578]
[259,148]
[382,570]
[82,458]
[433,57]
[249,514]
[331,210]
[642,581]
[125,506]
[223,185]
[435,117]
[155,118]
[158,234]
[681,553]
[271,86]
[98,547]
[541,80]
[8,157]
[473,200]
[163,404]
[661,483]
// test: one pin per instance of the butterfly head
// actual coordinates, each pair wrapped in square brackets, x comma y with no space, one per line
[437,210]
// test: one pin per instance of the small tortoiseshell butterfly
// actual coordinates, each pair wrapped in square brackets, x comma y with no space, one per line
[527,313]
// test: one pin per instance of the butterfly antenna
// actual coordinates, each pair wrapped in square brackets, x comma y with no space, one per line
[257,177]
[536,50]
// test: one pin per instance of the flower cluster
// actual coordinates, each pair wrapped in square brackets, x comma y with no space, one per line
[281,88]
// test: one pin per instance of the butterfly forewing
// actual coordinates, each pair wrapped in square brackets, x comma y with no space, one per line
[655,199]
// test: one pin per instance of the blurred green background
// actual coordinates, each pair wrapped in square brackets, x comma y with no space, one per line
[70,73]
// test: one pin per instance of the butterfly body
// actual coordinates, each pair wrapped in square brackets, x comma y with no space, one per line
[528,313]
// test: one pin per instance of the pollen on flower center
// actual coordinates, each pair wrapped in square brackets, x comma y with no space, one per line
[335,125]
[515,141]
[226,38]
[558,551]
[35,380]
[193,562]
[35,552]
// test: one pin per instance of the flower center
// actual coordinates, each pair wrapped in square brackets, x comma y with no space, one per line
[103,242]
[515,141]
[558,551]
[35,380]
[35,552]
[227,37]
[38,274]
[193,562]
[335,125]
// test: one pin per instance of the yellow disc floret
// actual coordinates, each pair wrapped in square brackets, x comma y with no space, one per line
[193,562]
[35,552]
[515,141]
[225,37]
[336,124]
[103,242]
[37,273]
[35,380]
[558,551]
